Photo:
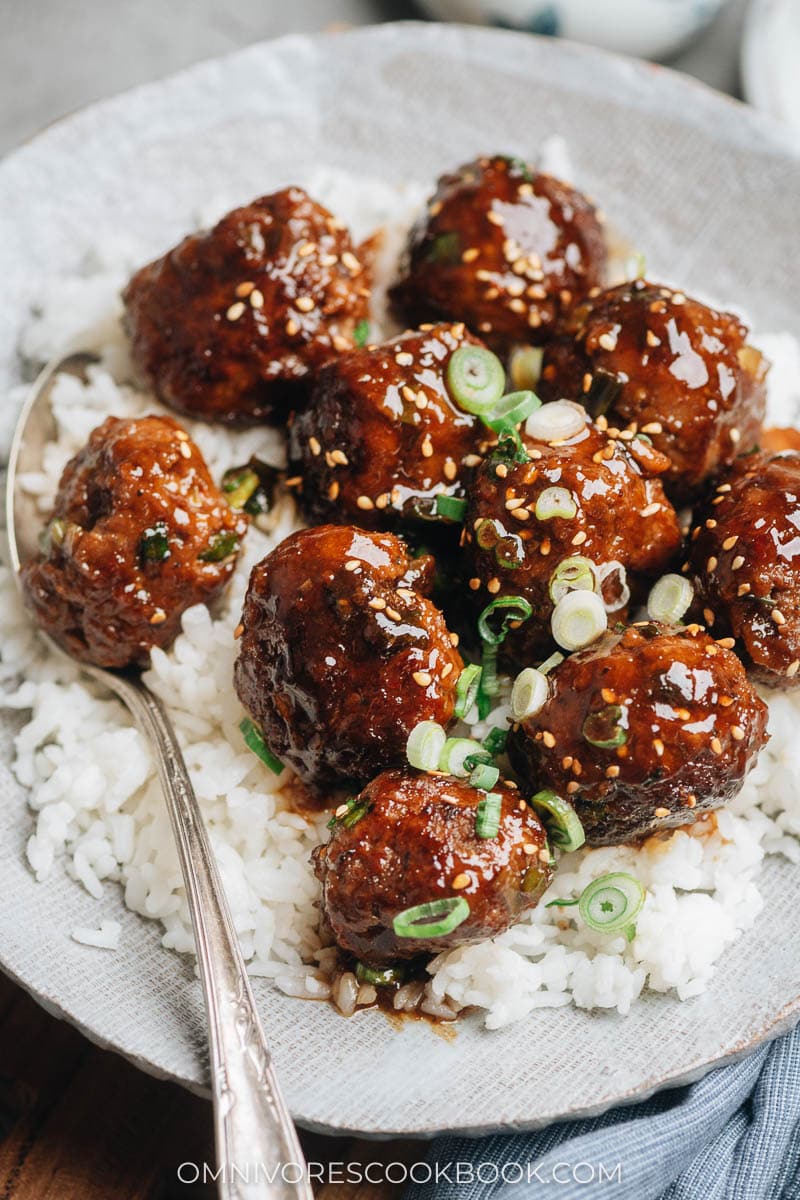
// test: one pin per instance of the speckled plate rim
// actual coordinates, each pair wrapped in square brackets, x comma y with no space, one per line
[648,86]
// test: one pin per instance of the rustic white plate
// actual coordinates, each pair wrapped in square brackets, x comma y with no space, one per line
[700,183]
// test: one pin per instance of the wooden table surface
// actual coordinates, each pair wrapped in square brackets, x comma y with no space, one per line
[79,1123]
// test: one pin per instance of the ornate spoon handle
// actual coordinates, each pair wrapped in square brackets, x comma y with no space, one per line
[258,1153]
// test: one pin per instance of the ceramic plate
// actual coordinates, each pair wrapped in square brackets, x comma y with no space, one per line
[698,181]
[770,50]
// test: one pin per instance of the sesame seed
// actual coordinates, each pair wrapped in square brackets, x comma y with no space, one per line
[446,669]
[690,800]
[580,537]
[724,487]
[737,733]
[793,668]
[333,490]
[421,678]
[235,311]
[404,359]
[653,339]
[294,481]
[520,514]
[716,745]
[567,762]
[612,772]
[708,616]
[545,547]
[517,305]
[454,639]
[158,617]
[737,562]
[238,631]
[494,217]
[474,584]
[650,510]
[408,394]
[339,457]
[711,565]
[421,400]
[493,586]
[393,614]
[658,746]
[725,701]
[548,739]
[302,303]
[306,249]
[607,341]
[501,470]
[730,542]
[460,881]
[292,327]
[530,849]
[735,436]
[314,446]
[350,261]
[427,446]
[727,643]
[572,787]
[340,343]
[243,290]
[587,382]
[378,603]
[328,260]
[365,503]
[257,299]
[661,812]
[653,427]
[450,470]
[710,524]
[778,616]
[470,255]
[352,564]
[743,589]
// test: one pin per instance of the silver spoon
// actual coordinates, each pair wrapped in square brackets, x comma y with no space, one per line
[255,1135]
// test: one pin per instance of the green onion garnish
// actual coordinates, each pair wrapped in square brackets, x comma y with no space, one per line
[511,410]
[605,729]
[670,598]
[511,609]
[556,421]
[525,366]
[484,777]
[154,544]
[445,249]
[578,619]
[381,976]
[611,903]
[560,903]
[454,753]
[452,508]
[495,741]
[475,379]
[254,740]
[603,393]
[575,574]
[467,690]
[361,333]
[487,815]
[54,533]
[551,663]
[560,820]
[425,745]
[221,546]
[529,694]
[510,551]
[555,502]
[351,811]
[240,488]
[434,919]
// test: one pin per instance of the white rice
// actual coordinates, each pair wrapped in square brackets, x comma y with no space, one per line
[96,799]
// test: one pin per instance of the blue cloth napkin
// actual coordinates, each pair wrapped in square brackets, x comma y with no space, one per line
[734,1135]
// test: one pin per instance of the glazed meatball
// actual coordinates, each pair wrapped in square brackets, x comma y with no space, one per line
[745,560]
[410,838]
[677,370]
[381,435]
[644,730]
[139,533]
[342,654]
[227,325]
[591,504]
[504,250]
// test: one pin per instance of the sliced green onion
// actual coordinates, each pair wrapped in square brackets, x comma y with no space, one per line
[560,820]
[604,572]
[240,488]
[512,608]
[528,694]
[556,421]
[510,551]
[255,742]
[475,379]
[354,809]
[490,684]
[549,664]
[511,410]
[561,903]
[509,449]
[534,881]
[578,619]
[611,903]
[476,759]
[444,249]
[486,534]
[555,502]
[434,919]
[467,690]
[154,544]
[221,546]
[452,508]
[636,265]
[425,745]
[605,729]
[361,332]
[525,366]
[495,741]
[576,574]
[487,815]
[603,393]
[454,752]
[380,976]
[484,777]
[670,598]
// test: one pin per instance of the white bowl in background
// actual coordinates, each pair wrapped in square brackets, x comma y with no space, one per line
[645,28]
[770,53]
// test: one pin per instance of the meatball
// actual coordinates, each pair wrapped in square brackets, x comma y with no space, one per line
[644,730]
[139,533]
[745,559]
[591,505]
[504,250]
[677,370]
[381,436]
[410,838]
[227,325]
[341,653]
